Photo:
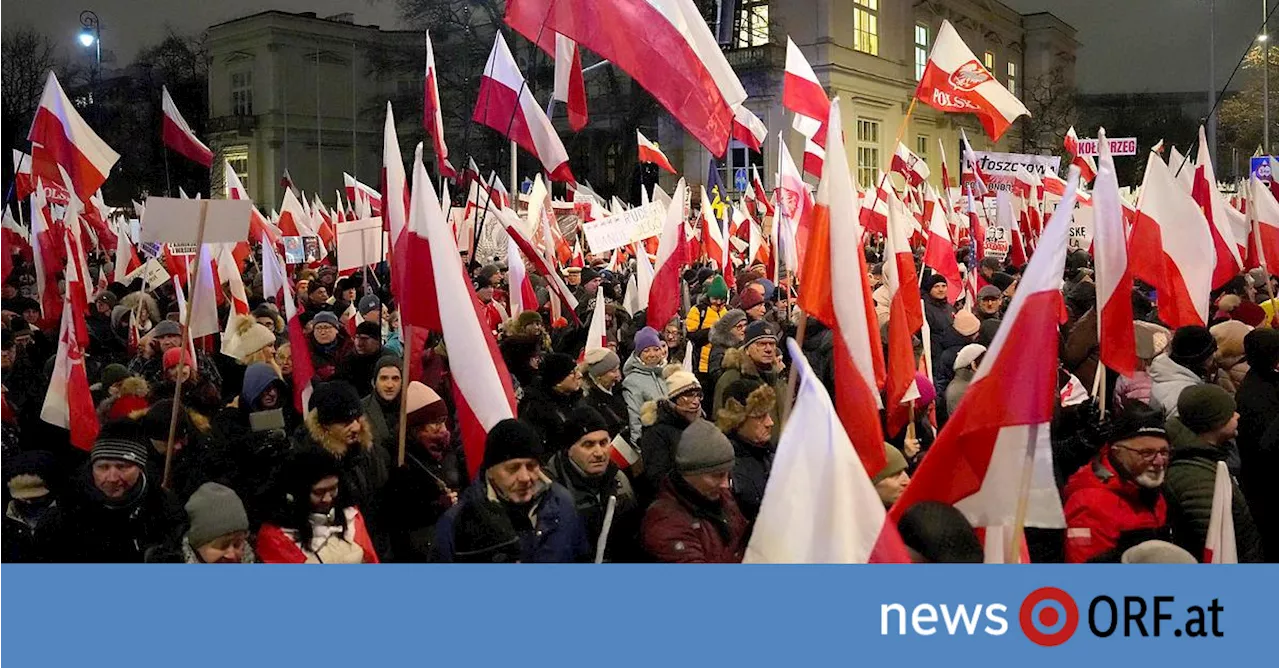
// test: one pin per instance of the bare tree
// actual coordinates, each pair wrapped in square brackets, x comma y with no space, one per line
[28,57]
[1051,101]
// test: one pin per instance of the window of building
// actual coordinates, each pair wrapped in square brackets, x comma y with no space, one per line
[868,143]
[1012,82]
[242,93]
[753,24]
[989,59]
[238,158]
[922,49]
[922,147]
[741,158]
[866,33]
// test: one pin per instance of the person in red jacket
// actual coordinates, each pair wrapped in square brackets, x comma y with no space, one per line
[695,518]
[1114,502]
[313,522]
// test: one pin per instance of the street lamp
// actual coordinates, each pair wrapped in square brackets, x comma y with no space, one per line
[91,34]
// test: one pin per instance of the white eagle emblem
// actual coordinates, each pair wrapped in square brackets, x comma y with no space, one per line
[969,76]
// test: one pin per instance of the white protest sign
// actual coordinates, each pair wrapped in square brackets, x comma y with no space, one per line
[154,274]
[627,227]
[174,220]
[1118,146]
[1002,168]
[1080,234]
[359,243]
[997,243]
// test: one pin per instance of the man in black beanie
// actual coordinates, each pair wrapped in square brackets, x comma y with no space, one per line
[582,463]
[511,478]
[547,403]
[1189,361]
[335,423]
[358,367]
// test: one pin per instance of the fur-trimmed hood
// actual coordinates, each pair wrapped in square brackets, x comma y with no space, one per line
[133,299]
[329,439]
[737,358]
[732,414]
[661,411]
[721,333]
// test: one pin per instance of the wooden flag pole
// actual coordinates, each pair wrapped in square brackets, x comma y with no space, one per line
[182,358]
[405,333]
[1024,492]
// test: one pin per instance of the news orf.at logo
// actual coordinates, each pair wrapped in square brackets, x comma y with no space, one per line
[1048,616]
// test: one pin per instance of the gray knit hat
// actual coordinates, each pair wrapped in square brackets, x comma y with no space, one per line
[599,361]
[326,318]
[122,441]
[214,510]
[703,449]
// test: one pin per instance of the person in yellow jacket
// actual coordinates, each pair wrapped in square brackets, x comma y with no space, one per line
[701,318]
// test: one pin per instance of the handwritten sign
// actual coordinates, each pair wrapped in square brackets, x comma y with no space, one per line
[627,227]
[1080,234]
[154,274]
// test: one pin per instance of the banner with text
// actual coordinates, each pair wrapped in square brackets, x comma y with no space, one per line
[1002,168]
[627,227]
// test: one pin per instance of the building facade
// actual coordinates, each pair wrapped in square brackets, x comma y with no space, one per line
[297,92]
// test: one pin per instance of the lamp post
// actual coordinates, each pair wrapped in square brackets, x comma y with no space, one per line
[91,36]
[1266,74]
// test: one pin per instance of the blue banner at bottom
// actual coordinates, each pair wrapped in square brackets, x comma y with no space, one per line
[617,615]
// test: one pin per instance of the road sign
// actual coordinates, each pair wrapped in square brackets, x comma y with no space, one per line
[1261,168]
[740,179]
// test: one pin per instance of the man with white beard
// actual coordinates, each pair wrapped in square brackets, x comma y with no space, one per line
[1114,502]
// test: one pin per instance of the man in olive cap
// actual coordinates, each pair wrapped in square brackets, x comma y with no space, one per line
[892,480]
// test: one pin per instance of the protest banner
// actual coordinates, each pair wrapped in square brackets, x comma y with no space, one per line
[627,227]
[359,243]
[1080,234]
[293,252]
[175,220]
[1117,145]
[154,274]
[183,249]
[997,243]
[1002,169]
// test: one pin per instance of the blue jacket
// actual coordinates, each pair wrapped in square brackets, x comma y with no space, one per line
[559,536]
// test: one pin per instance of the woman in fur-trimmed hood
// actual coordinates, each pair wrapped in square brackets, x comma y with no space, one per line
[335,423]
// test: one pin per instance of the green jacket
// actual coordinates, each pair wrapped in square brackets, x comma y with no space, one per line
[1188,489]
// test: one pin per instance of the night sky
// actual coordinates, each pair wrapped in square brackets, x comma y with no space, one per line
[1135,45]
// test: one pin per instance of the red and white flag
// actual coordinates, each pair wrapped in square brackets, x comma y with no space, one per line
[542,265]
[178,136]
[23,182]
[1072,143]
[979,461]
[666,47]
[68,403]
[482,389]
[749,129]
[520,293]
[1220,539]
[260,229]
[395,193]
[820,506]
[803,94]
[874,215]
[837,293]
[1170,248]
[906,317]
[909,165]
[1204,190]
[814,157]
[1264,223]
[649,152]
[713,241]
[569,85]
[622,454]
[432,118]
[1118,349]
[664,292]
[596,336]
[971,175]
[506,104]
[126,261]
[939,247]
[229,273]
[359,192]
[954,81]
[60,137]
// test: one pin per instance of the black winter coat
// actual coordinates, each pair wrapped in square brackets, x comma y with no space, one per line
[591,500]
[246,461]
[1188,489]
[612,406]
[658,441]
[751,466]
[546,410]
[83,529]
[417,497]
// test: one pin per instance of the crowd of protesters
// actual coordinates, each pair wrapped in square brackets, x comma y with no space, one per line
[246,477]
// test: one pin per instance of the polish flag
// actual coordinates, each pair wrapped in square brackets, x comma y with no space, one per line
[1170,247]
[971,174]
[1072,143]
[229,273]
[432,119]
[596,336]
[665,46]
[713,242]
[569,86]
[996,445]
[909,165]
[47,250]
[836,292]
[59,136]
[68,403]
[23,183]
[127,260]
[939,249]
[1182,168]
[541,264]
[395,192]
[803,94]
[95,215]
[906,316]
[875,216]
[76,271]
[1204,190]
[482,389]
[758,195]
[178,136]
[1111,268]
[1220,540]
[204,304]
[749,129]
[814,157]
[294,219]
[955,81]
[649,152]
[664,292]
[506,104]
[621,453]
[793,198]
[520,294]
[260,229]
[275,284]
[1264,220]
[757,248]
[357,190]
[820,506]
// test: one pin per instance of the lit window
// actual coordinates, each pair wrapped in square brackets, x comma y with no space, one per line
[868,143]
[1013,78]
[753,24]
[922,147]
[989,59]
[242,93]
[922,49]
[238,158]
[866,34]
